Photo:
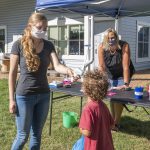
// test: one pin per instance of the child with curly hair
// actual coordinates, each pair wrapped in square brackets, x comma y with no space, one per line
[96,121]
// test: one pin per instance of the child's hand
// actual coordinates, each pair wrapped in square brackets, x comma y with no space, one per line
[85,132]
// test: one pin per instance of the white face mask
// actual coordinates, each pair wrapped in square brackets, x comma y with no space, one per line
[40,34]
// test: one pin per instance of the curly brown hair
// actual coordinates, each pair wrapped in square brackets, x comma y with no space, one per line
[29,52]
[95,84]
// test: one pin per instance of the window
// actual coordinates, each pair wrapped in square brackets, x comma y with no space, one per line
[68,40]
[76,40]
[58,35]
[2,40]
[143,42]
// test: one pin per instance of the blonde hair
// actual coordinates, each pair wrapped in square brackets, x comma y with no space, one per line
[95,84]
[105,42]
[29,52]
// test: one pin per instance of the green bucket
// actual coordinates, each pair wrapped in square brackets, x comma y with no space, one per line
[70,119]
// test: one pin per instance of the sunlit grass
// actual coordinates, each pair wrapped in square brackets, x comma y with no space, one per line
[135,134]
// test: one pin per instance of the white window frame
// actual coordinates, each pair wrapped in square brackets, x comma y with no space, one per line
[145,58]
[5,28]
[67,56]
[68,23]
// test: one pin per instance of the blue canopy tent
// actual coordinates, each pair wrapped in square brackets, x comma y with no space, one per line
[112,8]
[101,8]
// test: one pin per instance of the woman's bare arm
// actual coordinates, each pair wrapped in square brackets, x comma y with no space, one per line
[101,58]
[126,62]
[59,67]
[14,59]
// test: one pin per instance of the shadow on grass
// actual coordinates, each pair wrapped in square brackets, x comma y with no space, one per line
[135,127]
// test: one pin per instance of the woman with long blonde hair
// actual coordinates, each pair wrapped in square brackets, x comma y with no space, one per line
[114,58]
[29,99]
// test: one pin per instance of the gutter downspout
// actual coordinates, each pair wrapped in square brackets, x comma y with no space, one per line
[91,46]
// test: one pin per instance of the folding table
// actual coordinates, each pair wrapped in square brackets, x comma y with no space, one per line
[123,97]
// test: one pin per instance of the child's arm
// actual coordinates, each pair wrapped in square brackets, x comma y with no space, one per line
[85,132]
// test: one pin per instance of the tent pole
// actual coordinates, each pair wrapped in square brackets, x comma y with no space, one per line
[116,24]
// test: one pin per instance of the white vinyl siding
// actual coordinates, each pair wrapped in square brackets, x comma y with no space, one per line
[128,32]
[14,15]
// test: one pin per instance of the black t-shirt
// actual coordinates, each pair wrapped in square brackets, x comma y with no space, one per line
[33,82]
[113,62]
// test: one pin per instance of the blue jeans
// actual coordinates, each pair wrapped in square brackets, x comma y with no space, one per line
[31,115]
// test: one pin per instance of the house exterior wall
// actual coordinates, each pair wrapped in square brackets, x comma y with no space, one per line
[14,15]
[101,26]
[128,32]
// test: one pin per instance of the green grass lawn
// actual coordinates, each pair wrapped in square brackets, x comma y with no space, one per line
[135,134]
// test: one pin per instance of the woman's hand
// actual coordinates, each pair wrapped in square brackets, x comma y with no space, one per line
[121,87]
[70,72]
[73,75]
[12,107]
[118,87]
